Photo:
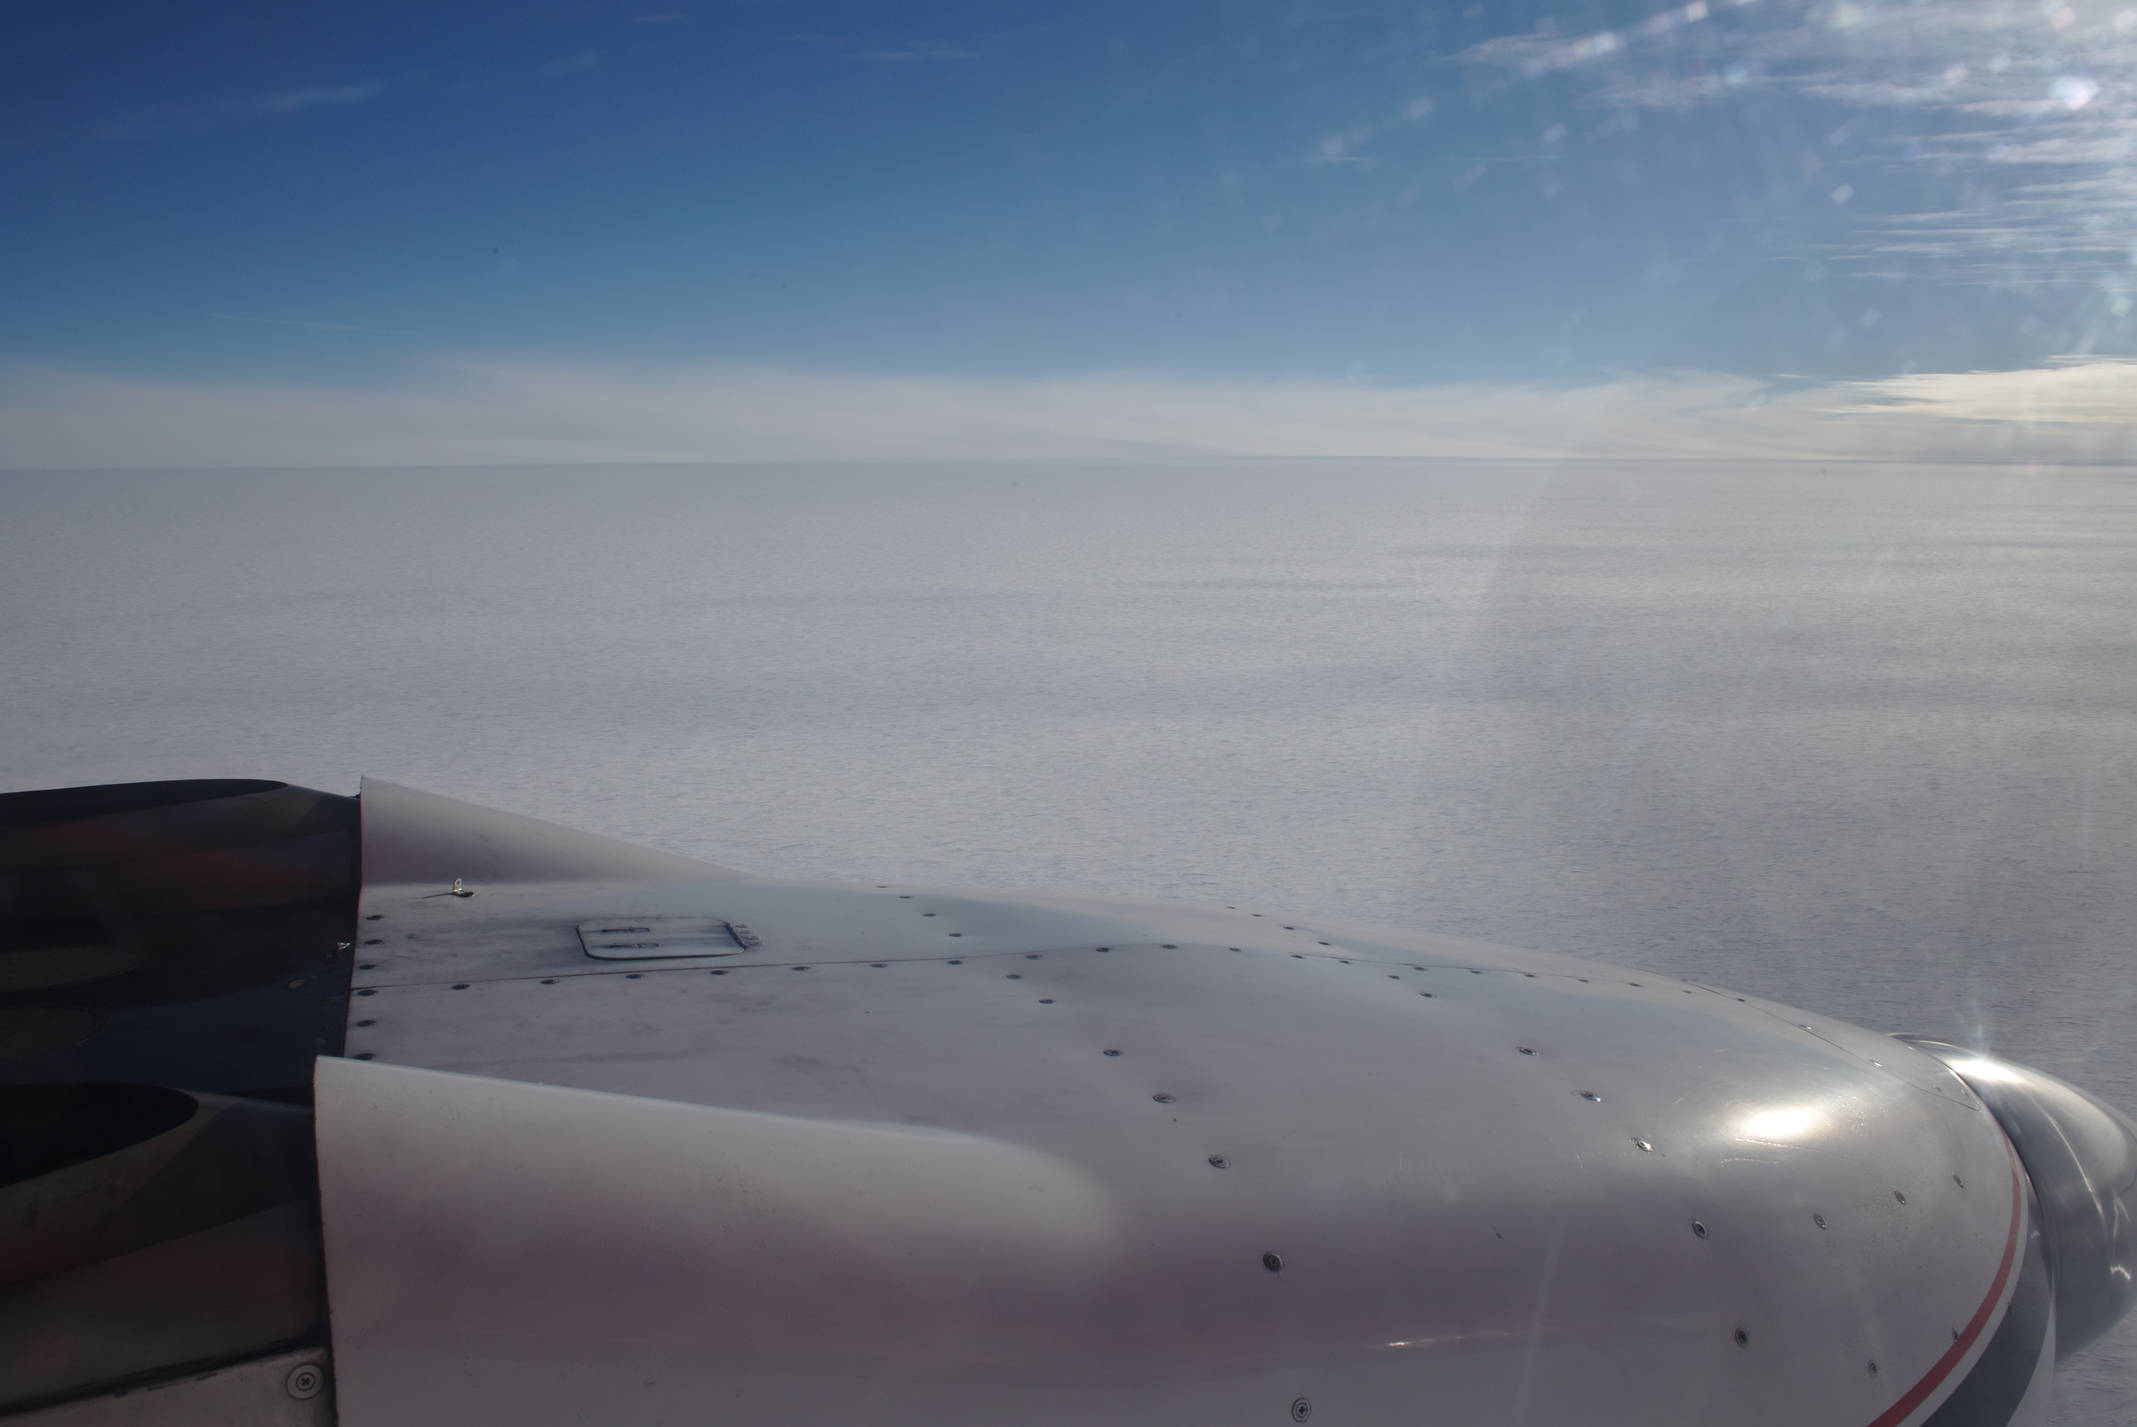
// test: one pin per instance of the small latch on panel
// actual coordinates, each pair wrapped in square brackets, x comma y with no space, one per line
[650,938]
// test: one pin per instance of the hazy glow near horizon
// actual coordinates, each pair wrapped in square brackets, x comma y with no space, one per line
[268,236]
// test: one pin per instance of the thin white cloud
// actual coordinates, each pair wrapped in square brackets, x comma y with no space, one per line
[219,113]
[919,54]
[310,326]
[2016,93]
[580,63]
[513,413]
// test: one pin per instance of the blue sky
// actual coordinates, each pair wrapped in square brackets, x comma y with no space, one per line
[221,208]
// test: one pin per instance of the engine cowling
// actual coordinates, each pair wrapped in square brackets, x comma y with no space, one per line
[2081,1155]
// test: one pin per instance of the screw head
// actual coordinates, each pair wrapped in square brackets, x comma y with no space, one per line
[1274,1263]
[1218,1161]
[1644,1146]
[1162,1098]
[1743,1339]
[1301,1409]
[1818,1219]
[305,1381]
[1699,1230]
[1900,1197]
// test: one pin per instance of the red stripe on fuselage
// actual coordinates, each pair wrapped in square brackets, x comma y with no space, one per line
[1918,1394]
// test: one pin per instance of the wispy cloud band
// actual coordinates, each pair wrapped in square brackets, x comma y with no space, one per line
[507,413]
[2032,105]
[212,114]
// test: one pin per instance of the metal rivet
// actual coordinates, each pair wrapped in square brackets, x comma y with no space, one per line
[1426,994]
[1339,960]
[1218,1161]
[801,968]
[460,986]
[1526,1049]
[373,940]
[956,933]
[905,896]
[367,992]
[1231,948]
[1169,946]
[1105,948]
[1644,1146]
[1818,1219]
[366,1055]
[1162,1098]
[1393,977]
[367,966]
[1321,943]
[1301,1409]
[1476,971]
[1274,1263]
[1016,976]
[1632,983]
[1591,1097]
[1743,1339]
[879,965]
[549,981]
[1290,929]
[1298,956]
[1112,1052]
[367,1023]
[1899,1196]
[1699,1230]
[720,971]
[954,961]
[927,914]
[1046,1000]
[305,1381]
[374,916]
[1031,956]
[632,975]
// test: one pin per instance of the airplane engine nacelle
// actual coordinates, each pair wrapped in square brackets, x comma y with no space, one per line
[2081,1155]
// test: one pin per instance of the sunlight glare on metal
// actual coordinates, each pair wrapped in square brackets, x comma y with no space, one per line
[1784,1124]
